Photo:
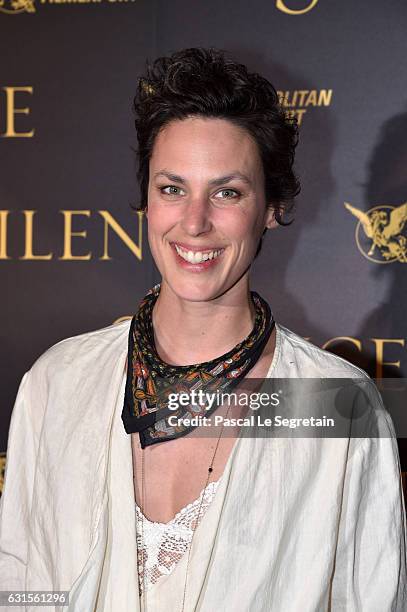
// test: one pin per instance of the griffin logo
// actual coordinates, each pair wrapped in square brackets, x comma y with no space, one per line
[12,7]
[379,233]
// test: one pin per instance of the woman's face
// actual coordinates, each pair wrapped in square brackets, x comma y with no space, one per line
[206,207]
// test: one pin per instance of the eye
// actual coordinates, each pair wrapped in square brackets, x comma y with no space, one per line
[171,190]
[228,194]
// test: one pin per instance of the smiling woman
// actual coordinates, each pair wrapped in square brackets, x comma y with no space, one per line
[167,513]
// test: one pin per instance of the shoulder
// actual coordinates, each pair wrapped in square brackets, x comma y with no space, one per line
[96,349]
[68,375]
[300,358]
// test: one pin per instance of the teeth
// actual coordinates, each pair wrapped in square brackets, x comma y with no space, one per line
[197,257]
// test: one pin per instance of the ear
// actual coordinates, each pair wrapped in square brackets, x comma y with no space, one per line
[270,218]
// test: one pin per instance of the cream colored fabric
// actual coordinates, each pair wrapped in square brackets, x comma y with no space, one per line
[306,525]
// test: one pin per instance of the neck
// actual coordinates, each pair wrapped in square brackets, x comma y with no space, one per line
[188,332]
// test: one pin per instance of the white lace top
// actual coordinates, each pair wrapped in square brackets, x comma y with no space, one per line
[161,545]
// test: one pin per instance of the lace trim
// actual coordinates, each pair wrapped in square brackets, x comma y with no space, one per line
[166,543]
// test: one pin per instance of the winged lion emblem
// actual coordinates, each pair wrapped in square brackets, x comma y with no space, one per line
[17,6]
[383,225]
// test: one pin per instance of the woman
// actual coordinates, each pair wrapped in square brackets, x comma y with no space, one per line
[229,522]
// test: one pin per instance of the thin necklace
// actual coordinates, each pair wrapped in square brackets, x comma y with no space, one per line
[141,559]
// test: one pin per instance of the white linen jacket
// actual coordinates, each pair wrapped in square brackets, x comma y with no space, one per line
[296,525]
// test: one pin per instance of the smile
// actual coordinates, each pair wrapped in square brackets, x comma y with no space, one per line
[196,257]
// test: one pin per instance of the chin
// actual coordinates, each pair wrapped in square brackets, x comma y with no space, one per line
[194,291]
[199,289]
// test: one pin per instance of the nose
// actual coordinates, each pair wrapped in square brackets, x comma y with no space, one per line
[196,218]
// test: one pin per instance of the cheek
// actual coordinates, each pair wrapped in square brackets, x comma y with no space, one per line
[241,228]
[159,221]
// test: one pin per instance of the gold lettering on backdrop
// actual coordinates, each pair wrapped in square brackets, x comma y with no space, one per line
[12,111]
[298,97]
[280,4]
[305,97]
[110,225]
[299,113]
[354,341]
[380,342]
[29,222]
[3,234]
[312,99]
[121,319]
[325,96]
[69,234]
[379,349]
[297,101]
[110,222]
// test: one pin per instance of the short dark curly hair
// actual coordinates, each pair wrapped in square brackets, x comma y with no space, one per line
[206,83]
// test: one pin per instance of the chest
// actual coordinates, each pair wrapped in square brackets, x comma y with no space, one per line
[169,476]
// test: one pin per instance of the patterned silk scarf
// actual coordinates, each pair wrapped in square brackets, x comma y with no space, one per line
[150,380]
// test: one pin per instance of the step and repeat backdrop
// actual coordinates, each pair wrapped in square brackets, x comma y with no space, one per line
[73,251]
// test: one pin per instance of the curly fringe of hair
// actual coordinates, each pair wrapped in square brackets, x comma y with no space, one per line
[206,83]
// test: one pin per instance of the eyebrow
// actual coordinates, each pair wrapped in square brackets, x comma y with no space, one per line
[221,180]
